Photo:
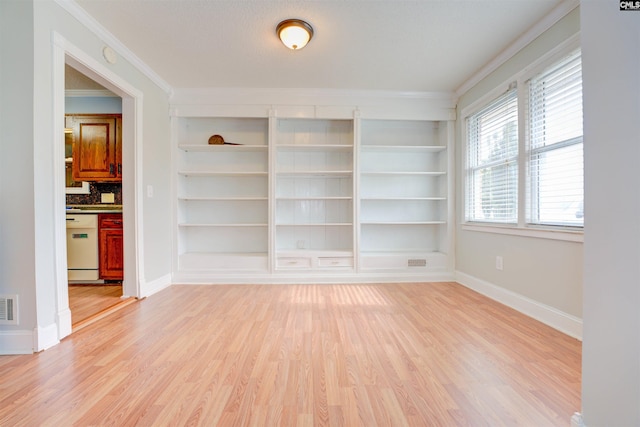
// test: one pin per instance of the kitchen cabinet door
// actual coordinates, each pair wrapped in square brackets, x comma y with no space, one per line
[111,245]
[97,147]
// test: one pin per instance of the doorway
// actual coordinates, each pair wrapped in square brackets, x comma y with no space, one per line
[89,293]
[67,54]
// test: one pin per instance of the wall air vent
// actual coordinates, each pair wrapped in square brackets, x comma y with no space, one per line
[8,309]
[417,263]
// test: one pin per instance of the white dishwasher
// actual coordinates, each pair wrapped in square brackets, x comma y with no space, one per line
[82,247]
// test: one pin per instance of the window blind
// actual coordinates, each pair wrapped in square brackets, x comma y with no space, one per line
[555,147]
[492,162]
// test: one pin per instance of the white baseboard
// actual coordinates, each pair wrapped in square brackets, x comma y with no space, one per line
[156,285]
[16,342]
[548,315]
[45,337]
[576,420]
[293,277]
[64,323]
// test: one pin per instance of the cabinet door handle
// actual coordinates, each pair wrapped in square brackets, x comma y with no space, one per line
[111,168]
[119,168]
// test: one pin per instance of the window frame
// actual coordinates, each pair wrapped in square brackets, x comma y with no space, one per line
[520,80]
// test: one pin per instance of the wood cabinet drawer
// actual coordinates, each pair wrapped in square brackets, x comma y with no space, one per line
[335,262]
[110,221]
[293,262]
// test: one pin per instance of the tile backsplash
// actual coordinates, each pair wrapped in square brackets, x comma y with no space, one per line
[97,188]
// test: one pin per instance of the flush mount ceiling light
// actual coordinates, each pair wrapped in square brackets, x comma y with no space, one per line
[294,33]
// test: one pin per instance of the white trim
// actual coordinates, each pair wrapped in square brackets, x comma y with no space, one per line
[45,337]
[519,79]
[307,277]
[63,51]
[154,286]
[95,27]
[548,315]
[520,43]
[577,421]
[559,234]
[16,342]
[63,320]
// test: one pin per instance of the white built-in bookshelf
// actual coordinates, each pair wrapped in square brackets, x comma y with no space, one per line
[314,187]
[223,194]
[403,194]
[307,198]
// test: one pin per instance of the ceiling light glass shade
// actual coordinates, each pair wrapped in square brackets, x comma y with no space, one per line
[294,33]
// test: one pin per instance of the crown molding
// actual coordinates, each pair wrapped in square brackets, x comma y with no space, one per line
[95,27]
[520,43]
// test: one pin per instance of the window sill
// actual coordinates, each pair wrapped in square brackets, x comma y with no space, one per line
[539,233]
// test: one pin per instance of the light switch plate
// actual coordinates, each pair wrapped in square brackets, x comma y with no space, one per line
[107,198]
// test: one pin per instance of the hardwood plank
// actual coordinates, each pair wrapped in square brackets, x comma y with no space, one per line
[419,354]
[87,300]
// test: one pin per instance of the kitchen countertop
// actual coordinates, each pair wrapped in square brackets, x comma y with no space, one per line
[93,209]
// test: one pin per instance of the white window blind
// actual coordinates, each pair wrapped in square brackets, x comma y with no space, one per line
[492,162]
[554,158]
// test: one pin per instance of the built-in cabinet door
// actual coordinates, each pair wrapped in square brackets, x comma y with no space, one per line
[97,150]
[111,247]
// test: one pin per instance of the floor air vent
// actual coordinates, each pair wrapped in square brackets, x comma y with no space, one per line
[417,263]
[8,309]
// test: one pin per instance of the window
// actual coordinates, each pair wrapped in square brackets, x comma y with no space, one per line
[554,137]
[492,162]
[524,151]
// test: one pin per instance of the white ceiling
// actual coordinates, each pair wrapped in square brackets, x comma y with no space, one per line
[428,45]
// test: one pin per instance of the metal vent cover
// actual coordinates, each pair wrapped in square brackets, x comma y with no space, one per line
[417,263]
[8,309]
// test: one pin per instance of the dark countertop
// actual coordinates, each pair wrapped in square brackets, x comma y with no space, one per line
[94,209]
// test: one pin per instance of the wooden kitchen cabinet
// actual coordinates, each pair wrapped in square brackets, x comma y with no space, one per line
[97,147]
[110,243]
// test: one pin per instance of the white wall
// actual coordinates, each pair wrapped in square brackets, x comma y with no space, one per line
[541,273]
[611,85]
[17,243]
[28,245]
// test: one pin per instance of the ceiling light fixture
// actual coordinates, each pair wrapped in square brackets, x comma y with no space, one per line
[294,33]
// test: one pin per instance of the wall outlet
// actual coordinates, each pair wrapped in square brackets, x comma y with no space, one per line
[301,244]
[149,191]
[499,263]
[107,198]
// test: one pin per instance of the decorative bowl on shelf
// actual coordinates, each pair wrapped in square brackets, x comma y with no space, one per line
[216,140]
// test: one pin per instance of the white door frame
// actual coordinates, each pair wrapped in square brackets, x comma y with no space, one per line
[66,53]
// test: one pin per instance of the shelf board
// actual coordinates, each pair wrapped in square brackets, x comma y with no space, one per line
[221,174]
[222,148]
[316,198]
[405,148]
[404,173]
[403,252]
[314,252]
[402,222]
[401,199]
[313,173]
[224,199]
[225,254]
[314,147]
[316,224]
[186,224]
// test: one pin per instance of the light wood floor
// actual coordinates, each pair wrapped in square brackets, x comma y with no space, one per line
[431,354]
[87,300]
